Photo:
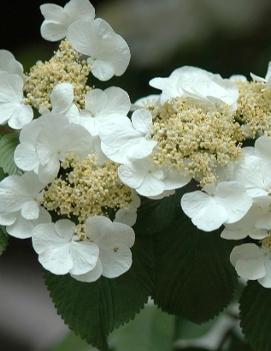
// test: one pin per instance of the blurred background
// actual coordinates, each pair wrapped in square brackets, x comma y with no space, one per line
[229,37]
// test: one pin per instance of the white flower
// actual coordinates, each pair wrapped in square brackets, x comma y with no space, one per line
[46,141]
[13,110]
[148,180]
[58,19]
[253,263]
[103,106]
[108,53]
[227,202]
[59,251]
[197,84]
[266,79]
[255,224]
[254,168]
[20,199]
[9,64]
[124,139]
[114,241]
[129,215]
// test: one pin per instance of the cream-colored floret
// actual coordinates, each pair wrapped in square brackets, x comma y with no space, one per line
[254,108]
[65,66]
[194,138]
[86,189]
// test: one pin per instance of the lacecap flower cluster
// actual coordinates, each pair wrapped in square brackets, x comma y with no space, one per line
[86,155]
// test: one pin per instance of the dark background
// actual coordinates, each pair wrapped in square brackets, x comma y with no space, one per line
[228,37]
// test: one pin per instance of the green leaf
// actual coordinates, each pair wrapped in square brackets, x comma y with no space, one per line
[193,274]
[8,143]
[93,310]
[152,330]
[255,307]
[3,240]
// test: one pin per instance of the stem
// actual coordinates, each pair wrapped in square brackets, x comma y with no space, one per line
[5,130]
[224,339]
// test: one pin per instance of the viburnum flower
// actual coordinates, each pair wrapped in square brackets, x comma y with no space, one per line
[13,109]
[102,106]
[114,241]
[45,142]
[57,19]
[59,250]
[20,203]
[124,139]
[150,180]
[9,64]
[197,84]
[253,262]
[227,202]
[108,53]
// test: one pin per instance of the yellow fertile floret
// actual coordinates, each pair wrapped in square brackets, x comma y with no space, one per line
[194,138]
[65,66]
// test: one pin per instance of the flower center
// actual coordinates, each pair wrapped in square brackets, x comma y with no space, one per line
[195,139]
[84,188]
[254,108]
[65,66]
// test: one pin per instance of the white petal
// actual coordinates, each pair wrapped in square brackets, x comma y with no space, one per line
[205,213]
[7,219]
[80,9]
[102,70]
[21,228]
[263,147]
[248,260]
[30,210]
[233,197]
[142,121]
[82,36]
[9,64]
[48,172]
[25,157]
[57,260]
[92,275]
[11,88]
[85,256]
[45,237]
[22,115]
[53,31]
[132,176]
[116,262]
[151,186]
[53,12]
[96,226]
[127,216]
[96,101]
[65,228]
[175,179]
[62,97]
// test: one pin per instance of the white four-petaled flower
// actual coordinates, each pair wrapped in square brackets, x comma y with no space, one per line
[57,19]
[198,84]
